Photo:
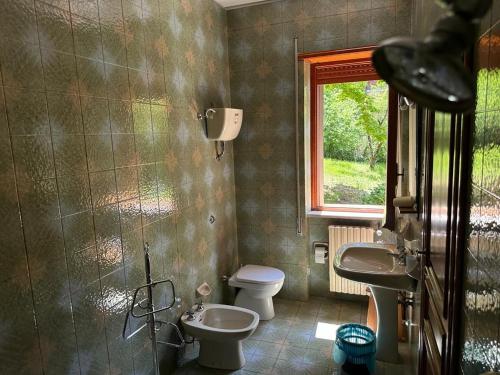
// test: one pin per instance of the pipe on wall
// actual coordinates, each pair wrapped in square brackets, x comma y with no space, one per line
[297,142]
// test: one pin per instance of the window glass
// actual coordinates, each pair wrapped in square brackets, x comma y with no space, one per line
[354,117]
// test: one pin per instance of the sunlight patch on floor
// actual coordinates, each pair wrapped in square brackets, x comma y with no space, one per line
[326,331]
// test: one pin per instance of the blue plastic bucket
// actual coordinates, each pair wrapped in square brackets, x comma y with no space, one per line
[355,344]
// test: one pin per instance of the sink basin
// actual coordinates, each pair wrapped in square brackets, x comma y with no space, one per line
[371,263]
[376,265]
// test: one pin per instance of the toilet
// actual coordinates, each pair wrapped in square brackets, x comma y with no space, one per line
[258,285]
[221,330]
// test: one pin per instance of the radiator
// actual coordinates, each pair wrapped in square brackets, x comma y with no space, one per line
[339,236]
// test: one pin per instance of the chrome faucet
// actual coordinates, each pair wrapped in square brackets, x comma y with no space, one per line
[400,255]
[401,248]
[190,315]
[200,306]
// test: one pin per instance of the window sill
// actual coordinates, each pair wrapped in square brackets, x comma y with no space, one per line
[345,215]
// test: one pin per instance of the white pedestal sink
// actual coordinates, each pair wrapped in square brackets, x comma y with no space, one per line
[375,265]
[386,302]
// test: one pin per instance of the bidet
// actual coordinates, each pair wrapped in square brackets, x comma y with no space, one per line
[221,330]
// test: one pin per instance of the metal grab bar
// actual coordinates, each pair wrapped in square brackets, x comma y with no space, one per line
[151,285]
[152,323]
[300,231]
[124,331]
[181,344]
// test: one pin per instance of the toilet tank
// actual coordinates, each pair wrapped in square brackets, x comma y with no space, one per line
[224,124]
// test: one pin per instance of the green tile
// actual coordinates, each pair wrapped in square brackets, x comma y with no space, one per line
[62,4]
[149,208]
[133,252]
[113,39]
[111,270]
[92,78]
[139,91]
[54,27]
[85,8]
[103,188]
[4,126]
[74,193]
[99,152]
[117,82]
[163,165]
[33,155]
[124,150]
[120,356]
[89,327]
[82,268]
[145,148]
[64,113]
[21,343]
[19,21]
[21,64]
[13,263]
[121,116]
[55,325]
[87,37]
[27,112]
[127,183]
[59,71]
[78,232]
[69,154]
[95,115]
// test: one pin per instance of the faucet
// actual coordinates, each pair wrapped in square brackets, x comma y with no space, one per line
[200,306]
[401,248]
[190,315]
[400,245]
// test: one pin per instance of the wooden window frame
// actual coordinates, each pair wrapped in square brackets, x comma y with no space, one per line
[348,65]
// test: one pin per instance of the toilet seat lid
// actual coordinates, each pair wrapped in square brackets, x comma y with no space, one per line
[260,274]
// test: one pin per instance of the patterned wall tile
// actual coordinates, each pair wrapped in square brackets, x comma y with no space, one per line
[19,21]
[100,151]
[27,112]
[23,64]
[261,63]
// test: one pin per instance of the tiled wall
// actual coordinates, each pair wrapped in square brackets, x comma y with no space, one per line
[100,150]
[262,83]
[481,324]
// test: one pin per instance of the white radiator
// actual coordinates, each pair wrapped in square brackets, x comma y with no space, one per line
[338,236]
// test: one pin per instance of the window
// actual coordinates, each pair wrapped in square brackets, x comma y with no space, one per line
[353,117]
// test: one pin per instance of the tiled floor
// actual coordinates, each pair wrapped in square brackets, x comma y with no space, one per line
[298,340]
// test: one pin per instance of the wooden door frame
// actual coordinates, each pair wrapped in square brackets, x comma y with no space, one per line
[461,138]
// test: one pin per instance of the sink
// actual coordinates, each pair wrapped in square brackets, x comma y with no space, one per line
[375,264]
[370,263]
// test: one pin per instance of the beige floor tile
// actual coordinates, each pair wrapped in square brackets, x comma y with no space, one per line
[292,353]
[260,364]
[268,349]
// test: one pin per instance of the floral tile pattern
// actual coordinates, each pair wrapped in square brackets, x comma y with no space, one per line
[262,83]
[100,152]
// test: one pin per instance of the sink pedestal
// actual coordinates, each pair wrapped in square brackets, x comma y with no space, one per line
[378,266]
[386,302]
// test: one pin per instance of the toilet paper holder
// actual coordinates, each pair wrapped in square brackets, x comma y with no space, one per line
[321,245]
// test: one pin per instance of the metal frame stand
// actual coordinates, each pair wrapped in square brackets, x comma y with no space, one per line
[146,308]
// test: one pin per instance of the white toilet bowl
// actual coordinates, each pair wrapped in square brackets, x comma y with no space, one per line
[258,285]
[221,329]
